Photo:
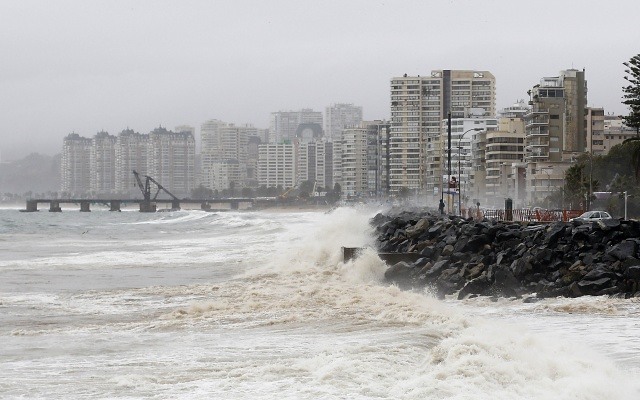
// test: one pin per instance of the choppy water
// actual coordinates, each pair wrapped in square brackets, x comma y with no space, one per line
[258,305]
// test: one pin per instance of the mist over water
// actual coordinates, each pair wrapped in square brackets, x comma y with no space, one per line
[259,305]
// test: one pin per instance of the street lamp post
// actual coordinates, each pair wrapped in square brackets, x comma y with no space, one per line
[459,167]
[626,196]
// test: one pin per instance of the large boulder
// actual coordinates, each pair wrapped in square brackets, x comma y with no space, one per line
[623,250]
[592,287]
[400,273]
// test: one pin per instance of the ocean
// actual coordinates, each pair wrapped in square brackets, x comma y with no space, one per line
[259,305]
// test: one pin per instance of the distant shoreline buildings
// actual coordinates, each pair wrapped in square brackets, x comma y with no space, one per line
[444,139]
[104,164]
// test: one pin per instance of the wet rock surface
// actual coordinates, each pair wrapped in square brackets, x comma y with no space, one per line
[467,258]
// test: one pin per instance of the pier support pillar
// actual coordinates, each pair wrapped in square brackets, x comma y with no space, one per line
[350,253]
[147,206]
[85,206]
[235,205]
[54,206]
[114,205]
[32,206]
[175,205]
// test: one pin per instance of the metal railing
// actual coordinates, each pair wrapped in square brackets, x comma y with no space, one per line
[521,215]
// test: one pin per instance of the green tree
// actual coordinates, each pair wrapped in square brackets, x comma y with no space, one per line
[201,192]
[577,185]
[633,146]
[306,188]
[632,100]
[335,194]
[632,93]
[247,192]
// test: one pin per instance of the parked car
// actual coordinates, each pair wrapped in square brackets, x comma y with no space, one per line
[592,216]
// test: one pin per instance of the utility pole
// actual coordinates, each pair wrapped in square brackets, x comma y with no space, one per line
[448,156]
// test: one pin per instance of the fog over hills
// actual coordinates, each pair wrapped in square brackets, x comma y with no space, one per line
[37,173]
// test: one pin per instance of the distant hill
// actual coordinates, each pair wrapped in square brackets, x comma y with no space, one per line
[37,173]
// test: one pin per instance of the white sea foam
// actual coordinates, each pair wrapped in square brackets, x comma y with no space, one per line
[296,323]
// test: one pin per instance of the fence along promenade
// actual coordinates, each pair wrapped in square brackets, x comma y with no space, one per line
[523,215]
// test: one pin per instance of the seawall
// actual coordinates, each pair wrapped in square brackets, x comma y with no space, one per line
[465,257]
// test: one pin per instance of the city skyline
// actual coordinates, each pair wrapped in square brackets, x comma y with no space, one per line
[84,68]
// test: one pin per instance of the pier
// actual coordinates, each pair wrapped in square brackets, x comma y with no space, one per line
[144,205]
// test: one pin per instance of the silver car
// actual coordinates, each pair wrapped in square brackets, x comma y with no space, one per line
[592,216]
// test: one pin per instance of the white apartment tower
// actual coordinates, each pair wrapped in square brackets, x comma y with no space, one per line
[170,160]
[131,155]
[224,154]
[284,124]
[340,116]
[103,164]
[337,118]
[315,162]
[75,165]
[419,104]
[276,165]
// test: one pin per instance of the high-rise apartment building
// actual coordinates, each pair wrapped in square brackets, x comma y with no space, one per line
[363,156]
[337,118]
[504,154]
[277,165]
[103,163]
[555,124]
[252,161]
[224,154]
[340,116]
[377,157]
[131,155]
[419,104]
[594,125]
[170,160]
[314,162]
[555,131]
[75,165]
[284,124]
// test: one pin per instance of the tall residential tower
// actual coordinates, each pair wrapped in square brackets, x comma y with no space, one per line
[419,104]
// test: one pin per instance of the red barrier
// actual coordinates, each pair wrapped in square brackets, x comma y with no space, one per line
[526,214]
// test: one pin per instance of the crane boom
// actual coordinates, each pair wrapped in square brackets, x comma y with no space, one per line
[146,187]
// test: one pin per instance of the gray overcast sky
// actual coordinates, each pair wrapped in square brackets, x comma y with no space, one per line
[85,66]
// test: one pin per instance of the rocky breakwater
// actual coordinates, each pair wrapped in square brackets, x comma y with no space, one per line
[494,258]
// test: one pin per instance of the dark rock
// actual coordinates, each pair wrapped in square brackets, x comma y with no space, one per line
[592,287]
[562,259]
[623,250]
[608,224]
[531,299]
[599,273]
[421,262]
[505,284]
[400,273]
[556,231]
[448,250]
[418,228]
[437,268]
[428,251]
[477,286]
[632,272]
